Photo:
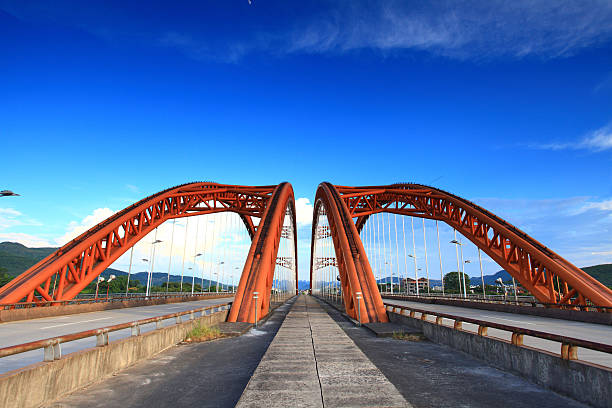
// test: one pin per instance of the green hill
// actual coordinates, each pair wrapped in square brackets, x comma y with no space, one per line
[602,273]
[16,258]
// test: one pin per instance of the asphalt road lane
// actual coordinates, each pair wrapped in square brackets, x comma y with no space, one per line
[25,331]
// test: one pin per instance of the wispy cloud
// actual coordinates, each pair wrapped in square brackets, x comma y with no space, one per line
[462,30]
[468,29]
[577,228]
[76,228]
[597,140]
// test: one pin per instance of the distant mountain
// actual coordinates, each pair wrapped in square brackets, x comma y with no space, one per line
[17,258]
[602,273]
[158,278]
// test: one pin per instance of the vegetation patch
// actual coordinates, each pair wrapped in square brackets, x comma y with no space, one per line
[201,332]
[408,336]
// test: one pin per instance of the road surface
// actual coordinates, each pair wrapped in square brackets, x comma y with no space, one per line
[24,331]
[588,331]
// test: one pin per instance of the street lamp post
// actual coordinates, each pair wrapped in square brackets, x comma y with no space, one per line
[457,245]
[222,271]
[152,263]
[193,274]
[499,280]
[100,279]
[110,278]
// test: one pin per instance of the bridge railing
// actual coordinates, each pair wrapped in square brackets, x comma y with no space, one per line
[112,298]
[52,345]
[527,301]
[569,345]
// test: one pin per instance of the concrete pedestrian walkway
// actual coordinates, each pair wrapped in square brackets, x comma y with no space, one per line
[312,363]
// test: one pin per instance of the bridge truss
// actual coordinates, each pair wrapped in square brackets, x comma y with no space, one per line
[546,275]
[76,264]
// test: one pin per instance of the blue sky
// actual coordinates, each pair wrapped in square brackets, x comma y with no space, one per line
[506,104]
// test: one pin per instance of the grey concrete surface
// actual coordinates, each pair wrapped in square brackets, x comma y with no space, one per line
[510,307]
[210,374]
[584,382]
[24,331]
[432,375]
[313,363]
[587,331]
[42,383]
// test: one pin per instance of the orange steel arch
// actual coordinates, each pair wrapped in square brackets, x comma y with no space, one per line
[353,265]
[80,261]
[258,272]
[549,277]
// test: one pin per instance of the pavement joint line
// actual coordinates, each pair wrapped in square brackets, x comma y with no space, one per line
[314,352]
[348,379]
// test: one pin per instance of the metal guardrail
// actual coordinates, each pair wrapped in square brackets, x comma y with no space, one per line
[52,345]
[115,298]
[569,345]
[527,301]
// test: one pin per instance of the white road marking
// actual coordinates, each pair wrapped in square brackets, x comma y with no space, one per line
[509,320]
[83,321]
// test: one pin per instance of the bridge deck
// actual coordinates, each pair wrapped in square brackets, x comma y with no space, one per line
[313,363]
[24,331]
[588,331]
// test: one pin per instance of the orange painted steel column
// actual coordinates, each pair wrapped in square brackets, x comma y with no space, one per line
[258,272]
[353,265]
[80,261]
[545,274]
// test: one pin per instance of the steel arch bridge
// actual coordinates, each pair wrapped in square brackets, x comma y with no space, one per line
[550,278]
[83,259]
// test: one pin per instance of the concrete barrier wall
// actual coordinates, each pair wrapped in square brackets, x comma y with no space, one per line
[43,383]
[581,381]
[575,315]
[48,311]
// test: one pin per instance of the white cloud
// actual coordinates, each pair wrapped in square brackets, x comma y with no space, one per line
[303,209]
[597,141]
[577,228]
[25,239]
[600,139]
[605,205]
[9,217]
[467,30]
[132,188]
[76,228]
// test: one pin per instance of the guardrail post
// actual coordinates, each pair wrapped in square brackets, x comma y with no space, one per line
[255,297]
[57,350]
[482,330]
[517,339]
[412,314]
[439,320]
[569,352]
[203,312]
[50,351]
[101,338]
[191,315]
[135,329]
[458,325]
[358,306]
[179,320]
[423,316]
[158,324]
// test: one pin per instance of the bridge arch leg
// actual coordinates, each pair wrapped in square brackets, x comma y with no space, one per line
[356,275]
[258,273]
